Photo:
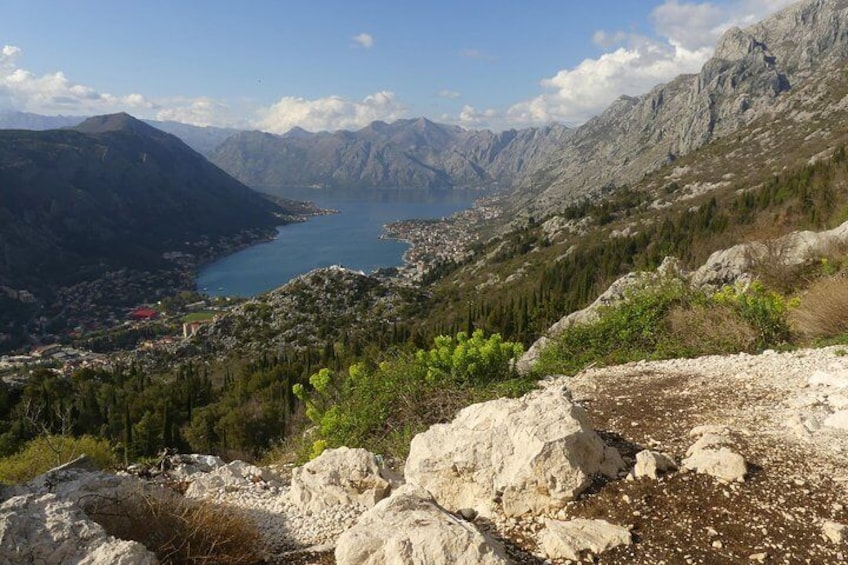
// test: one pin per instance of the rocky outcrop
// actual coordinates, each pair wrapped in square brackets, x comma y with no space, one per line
[339,477]
[516,456]
[651,463]
[752,72]
[410,527]
[712,455]
[49,530]
[727,266]
[736,263]
[615,294]
[568,540]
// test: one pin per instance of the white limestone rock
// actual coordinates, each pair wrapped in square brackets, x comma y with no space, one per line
[712,454]
[411,528]
[837,420]
[834,532]
[566,540]
[527,455]
[47,530]
[722,464]
[338,477]
[230,477]
[834,379]
[650,463]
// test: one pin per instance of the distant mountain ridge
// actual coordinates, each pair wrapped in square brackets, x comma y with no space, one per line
[109,193]
[202,139]
[414,153]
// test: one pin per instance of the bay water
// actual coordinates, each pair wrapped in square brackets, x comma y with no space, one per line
[350,238]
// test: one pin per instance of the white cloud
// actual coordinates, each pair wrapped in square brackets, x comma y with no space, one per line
[54,93]
[449,94]
[471,118]
[330,113]
[201,111]
[365,40]
[686,33]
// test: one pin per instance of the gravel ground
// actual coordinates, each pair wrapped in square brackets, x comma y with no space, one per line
[782,410]
[798,465]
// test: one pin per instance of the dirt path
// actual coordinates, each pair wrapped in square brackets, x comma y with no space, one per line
[778,415]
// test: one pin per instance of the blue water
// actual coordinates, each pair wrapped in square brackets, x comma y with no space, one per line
[350,238]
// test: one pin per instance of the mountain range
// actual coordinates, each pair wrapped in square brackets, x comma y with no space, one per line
[769,89]
[111,192]
[416,153]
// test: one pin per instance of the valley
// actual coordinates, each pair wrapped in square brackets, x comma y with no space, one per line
[618,342]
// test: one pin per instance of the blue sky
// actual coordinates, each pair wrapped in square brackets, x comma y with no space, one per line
[332,64]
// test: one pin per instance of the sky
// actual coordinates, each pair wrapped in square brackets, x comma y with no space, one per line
[341,64]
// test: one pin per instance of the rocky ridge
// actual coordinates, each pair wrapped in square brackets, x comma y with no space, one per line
[779,68]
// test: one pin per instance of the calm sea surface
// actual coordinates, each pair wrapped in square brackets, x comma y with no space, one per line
[350,238]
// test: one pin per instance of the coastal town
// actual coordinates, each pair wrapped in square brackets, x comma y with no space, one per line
[438,242]
[96,323]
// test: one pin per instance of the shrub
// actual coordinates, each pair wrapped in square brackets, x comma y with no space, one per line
[631,330]
[381,407]
[764,309]
[823,310]
[672,320]
[176,529]
[707,329]
[465,360]
[47,451]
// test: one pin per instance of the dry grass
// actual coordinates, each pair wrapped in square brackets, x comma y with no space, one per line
[773,263]
[705,330]
[179,530]
[823,311]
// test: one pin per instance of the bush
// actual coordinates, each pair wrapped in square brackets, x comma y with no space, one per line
[465,360]
[176,529]
[380,407]
[48,451]
[823,310]
[631,330]
[708,329]
[766,311]
[672,320]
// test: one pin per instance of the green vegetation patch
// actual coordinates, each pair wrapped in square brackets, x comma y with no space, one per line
[48,451]
[381,407]
[204,316]
[673,320]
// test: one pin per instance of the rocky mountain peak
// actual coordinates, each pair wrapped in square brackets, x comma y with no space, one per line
[735,44]
[756,71]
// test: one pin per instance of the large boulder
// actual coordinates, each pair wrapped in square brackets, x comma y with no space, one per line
[48,530]
[339,477]
[567,540]
[713,455]
[531,454]
[410,528]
